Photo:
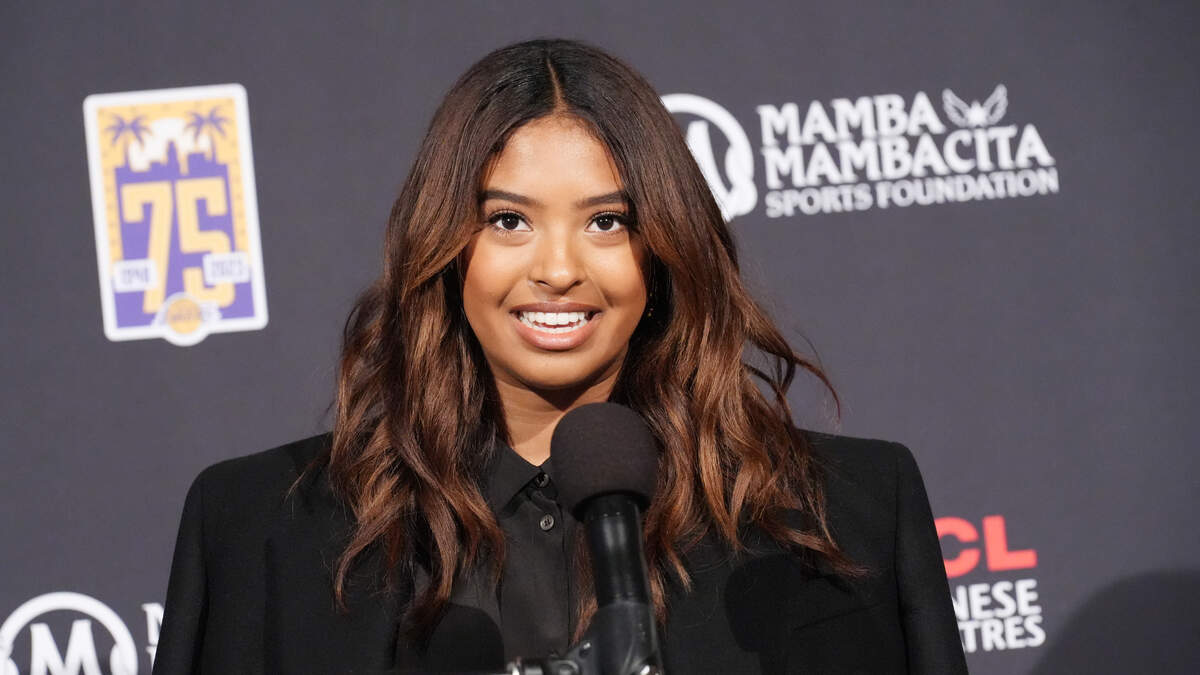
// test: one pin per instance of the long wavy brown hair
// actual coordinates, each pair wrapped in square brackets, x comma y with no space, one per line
[417,415]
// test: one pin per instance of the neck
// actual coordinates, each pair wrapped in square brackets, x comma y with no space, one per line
[531,415]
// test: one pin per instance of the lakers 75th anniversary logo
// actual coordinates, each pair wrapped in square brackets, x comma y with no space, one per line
[177,241]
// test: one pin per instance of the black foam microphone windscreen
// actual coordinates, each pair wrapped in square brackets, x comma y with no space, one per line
[603,448]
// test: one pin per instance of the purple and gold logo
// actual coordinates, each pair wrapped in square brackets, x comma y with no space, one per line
[176,214]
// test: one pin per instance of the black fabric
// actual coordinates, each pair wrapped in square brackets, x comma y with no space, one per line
[250,587]
[535,595]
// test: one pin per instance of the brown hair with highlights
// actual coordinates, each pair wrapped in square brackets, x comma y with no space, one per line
[417,416]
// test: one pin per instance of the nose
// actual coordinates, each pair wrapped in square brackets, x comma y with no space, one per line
[557,267]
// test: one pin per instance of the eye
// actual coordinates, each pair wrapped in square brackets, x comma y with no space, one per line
[507,221]
[608,223]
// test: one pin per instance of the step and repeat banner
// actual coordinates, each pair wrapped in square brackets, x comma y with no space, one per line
[981,217]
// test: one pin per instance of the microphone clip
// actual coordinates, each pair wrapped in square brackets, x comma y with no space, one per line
[623,628]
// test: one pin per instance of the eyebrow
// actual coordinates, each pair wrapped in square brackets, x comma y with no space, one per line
[608,198]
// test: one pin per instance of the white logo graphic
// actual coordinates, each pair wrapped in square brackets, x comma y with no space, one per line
[977,114]
[882,151]
[741,195]
[80,655]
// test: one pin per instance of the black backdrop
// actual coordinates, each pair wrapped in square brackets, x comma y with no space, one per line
[1026,322]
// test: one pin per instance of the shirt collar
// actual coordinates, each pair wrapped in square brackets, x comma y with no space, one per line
[507,474]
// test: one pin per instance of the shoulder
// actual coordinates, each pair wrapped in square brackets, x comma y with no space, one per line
[255,483]
[267,465]
[866,462]
[217,595]
[879,512]
[868,484]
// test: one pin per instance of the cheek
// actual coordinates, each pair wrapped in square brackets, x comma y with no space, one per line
[623,284]
[625,277]
[488,280]
[631,290]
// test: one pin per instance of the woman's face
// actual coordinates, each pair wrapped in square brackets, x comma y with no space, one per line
[554,279]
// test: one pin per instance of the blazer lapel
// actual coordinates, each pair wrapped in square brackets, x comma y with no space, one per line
[304,631]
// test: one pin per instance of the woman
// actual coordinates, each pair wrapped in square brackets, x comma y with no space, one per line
[554,245]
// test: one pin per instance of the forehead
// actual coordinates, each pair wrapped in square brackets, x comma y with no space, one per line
[552,154]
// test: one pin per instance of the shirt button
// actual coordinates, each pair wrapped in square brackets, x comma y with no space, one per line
[541,480]
[547,522]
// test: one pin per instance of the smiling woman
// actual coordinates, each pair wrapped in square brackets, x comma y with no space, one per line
[555,244]
[555,280]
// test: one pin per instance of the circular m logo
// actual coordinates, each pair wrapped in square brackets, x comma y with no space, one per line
[78,654]
[735,192]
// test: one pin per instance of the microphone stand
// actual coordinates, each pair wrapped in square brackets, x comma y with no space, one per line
[622,638]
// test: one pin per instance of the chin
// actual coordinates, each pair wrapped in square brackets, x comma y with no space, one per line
[560,377]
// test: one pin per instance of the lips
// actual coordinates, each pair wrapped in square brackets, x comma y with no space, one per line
[555,326]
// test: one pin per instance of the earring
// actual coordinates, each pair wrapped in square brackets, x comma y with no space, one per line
[650,293]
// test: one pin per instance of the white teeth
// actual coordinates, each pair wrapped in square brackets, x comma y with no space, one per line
[554,322]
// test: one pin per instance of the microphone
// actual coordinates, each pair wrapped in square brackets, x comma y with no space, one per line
[607,468]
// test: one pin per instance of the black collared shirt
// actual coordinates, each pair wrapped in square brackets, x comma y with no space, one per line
[533,604]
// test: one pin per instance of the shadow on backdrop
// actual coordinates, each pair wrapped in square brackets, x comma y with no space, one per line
[1142,624]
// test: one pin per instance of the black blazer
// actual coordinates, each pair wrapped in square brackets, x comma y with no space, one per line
[250,587]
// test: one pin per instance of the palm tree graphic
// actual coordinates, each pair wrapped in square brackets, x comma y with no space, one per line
[206,124]
[120,128]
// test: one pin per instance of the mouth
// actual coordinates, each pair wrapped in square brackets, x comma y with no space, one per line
[555,323]
[560,330]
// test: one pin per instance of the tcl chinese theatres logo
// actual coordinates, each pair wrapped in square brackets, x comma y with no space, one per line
[997,612]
